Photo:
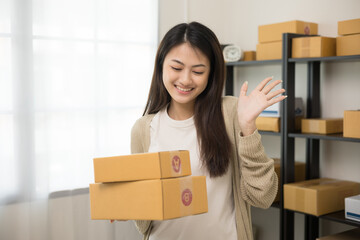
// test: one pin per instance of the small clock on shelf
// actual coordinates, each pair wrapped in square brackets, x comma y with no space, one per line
[232,53]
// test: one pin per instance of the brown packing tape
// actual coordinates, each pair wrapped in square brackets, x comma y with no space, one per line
[184,196]
[300,199]
[305,50]
[186,190]
[175,163]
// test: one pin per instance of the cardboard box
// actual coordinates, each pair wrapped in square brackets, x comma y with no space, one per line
[348,45]
[269,51]
[249,56]
[268,124]
[309,47]
[351,124]
[143,166]
[319,196]
[273,32]
[353,234]
[352,208]
[272,124]
[299,174]
[347,27]
[157,199]
[322,125]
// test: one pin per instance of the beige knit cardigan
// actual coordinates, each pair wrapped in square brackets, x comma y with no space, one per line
[254,180]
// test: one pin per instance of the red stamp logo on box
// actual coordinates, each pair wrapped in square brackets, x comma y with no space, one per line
[307,30]
[176,163]
[186,197]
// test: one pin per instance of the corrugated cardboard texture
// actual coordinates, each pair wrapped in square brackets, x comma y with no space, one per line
[149,199]
[142,166]
[351,26]
[352,124]
[249,56]
[273,32]
[299,174]
[322,125]
[319,196]
[269,51]
[268,124]
[309,47]
[353,234]
[348,45]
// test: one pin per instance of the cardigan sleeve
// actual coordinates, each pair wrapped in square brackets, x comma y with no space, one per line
[138,145]
[258,180]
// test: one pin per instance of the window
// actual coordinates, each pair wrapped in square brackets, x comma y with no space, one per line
[75,75]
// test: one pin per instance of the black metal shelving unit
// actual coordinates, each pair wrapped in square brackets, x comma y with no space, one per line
[288,133]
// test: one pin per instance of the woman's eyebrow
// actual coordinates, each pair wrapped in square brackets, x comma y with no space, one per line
[181,63]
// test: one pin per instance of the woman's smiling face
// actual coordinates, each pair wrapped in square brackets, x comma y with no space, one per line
[185,74]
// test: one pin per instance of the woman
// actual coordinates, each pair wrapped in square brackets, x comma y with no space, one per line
[185,110]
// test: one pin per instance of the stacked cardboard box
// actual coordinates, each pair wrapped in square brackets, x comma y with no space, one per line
[319,196]
[348,41]
[310,47]
[322,125]
[149,186]
[270,37]
[351,124]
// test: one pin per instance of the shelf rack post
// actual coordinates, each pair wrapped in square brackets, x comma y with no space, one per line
[287,143]
[229,84]
[312,145]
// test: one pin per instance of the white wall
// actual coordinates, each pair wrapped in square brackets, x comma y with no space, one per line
[237,21]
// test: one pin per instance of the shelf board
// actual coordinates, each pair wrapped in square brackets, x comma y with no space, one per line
[327,59]
[245,63]
[336,217]
[340,217]
[334,137]
[270,133]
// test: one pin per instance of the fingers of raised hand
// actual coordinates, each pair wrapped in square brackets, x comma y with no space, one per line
[276,100]
[271,86]
[273,94]
[244,89]
[263,83]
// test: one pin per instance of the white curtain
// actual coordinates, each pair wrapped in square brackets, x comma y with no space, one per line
[74,77]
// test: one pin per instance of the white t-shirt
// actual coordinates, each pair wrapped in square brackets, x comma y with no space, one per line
[219,222]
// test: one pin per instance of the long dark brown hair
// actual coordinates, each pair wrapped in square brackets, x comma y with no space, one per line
[214,142]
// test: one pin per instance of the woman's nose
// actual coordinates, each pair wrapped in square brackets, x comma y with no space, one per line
[185,78]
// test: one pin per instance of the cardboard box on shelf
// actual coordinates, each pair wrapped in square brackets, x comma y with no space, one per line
[319,196]
[347,27]
[157,199]
[309,47]
[272,124]
[142,166]
[249,56]
[299,174]
[273,32]
[351,124]
[322,125]
[268,124]
[352,208]
[269,51]
[348,45]
[353,234]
